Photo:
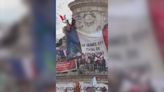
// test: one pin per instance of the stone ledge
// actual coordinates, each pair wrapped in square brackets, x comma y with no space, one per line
[91,3]
[72,78]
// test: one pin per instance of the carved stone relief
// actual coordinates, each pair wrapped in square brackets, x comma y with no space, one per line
[89,18]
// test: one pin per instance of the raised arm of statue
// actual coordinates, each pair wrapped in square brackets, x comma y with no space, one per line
[68,26]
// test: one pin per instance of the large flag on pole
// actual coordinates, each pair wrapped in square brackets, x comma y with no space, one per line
[44,35]
[23,69]
[105,35]
[157,15]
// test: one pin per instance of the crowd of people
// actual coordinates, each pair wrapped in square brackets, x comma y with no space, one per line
[88,62]
[92,62]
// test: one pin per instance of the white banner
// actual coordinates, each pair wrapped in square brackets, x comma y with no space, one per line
[93,43]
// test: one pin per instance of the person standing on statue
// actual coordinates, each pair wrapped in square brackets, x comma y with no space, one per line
[103,64]
[72,40]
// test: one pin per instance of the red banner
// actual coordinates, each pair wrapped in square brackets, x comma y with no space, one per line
[65,66]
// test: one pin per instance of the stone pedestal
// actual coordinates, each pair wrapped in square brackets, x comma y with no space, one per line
[90,15]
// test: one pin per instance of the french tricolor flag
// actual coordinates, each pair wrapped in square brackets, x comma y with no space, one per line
[105,35]
[63,18]
[28,68]
[65,52]
[23,69]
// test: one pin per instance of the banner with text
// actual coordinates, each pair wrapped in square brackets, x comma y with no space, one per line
[93,43]
[66,66]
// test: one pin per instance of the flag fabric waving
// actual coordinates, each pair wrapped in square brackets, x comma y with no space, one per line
[62,18]
[105,35]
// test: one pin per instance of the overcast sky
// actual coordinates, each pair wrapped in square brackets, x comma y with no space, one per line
[62,9]
[11,10]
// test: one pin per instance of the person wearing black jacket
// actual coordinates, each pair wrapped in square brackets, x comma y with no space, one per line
[103,64]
